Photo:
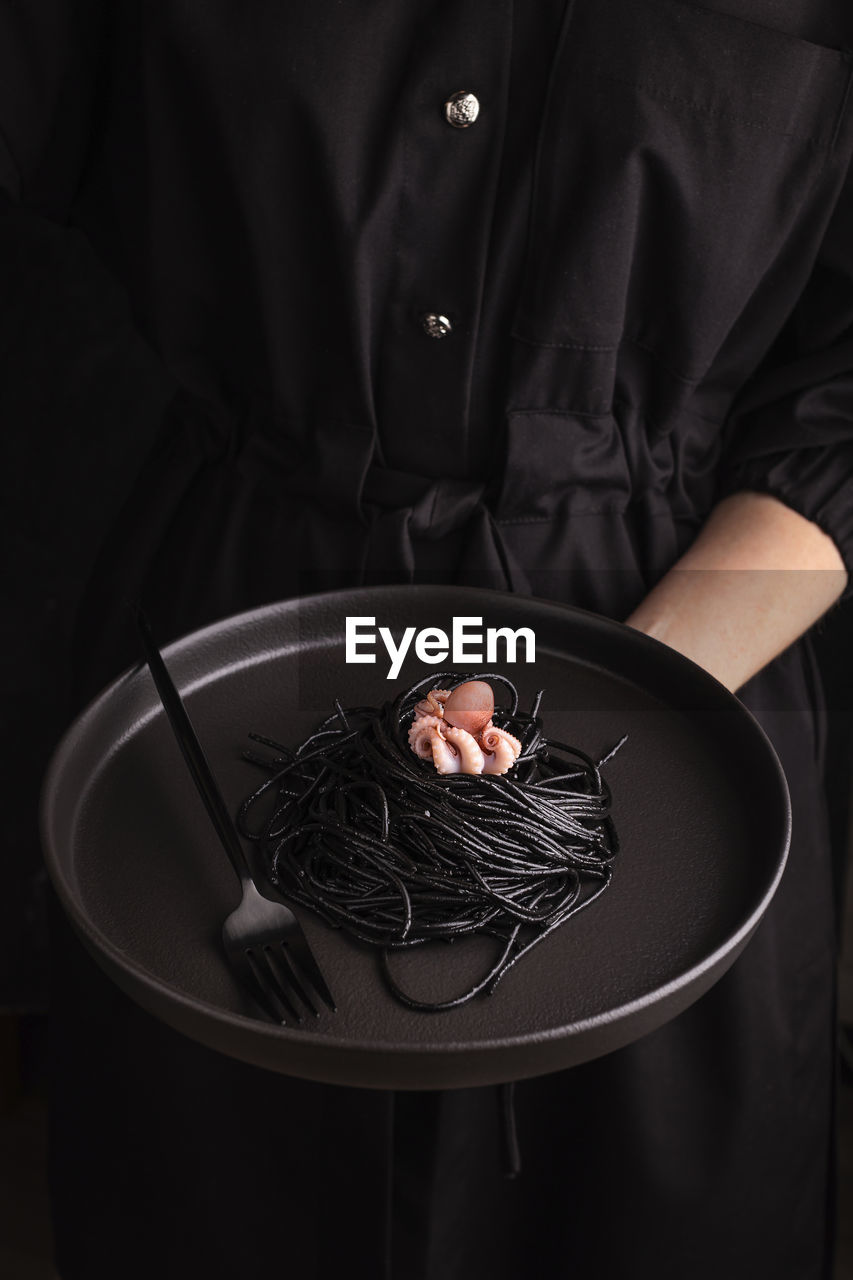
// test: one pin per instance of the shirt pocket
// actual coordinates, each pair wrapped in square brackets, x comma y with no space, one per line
[679,155]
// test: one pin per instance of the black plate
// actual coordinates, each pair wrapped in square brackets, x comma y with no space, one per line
[700,802]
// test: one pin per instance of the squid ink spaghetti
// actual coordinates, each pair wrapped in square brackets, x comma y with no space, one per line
[354,825]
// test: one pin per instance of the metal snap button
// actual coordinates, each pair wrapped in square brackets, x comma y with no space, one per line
[437,326]
[461,109]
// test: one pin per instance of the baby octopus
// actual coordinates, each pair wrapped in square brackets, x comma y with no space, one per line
[455,731]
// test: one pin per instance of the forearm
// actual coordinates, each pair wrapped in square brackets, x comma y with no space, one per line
[757,577]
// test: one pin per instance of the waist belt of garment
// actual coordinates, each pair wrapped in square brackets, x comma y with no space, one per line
[398,509]
[332,473]
[404,508]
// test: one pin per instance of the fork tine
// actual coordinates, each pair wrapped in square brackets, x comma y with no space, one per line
[267,990]
[280,958]
[299,951]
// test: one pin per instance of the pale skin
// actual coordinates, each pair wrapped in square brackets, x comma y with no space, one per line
[756,578]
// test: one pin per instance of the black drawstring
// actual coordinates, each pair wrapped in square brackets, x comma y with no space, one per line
[511,1152]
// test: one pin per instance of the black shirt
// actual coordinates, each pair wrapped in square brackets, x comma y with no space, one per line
[284,206]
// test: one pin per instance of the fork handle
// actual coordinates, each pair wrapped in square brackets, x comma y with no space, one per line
[193,752]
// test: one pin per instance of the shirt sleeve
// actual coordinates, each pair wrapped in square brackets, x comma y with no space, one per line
[791,432]
[81,392]
[48,73]
[80,399]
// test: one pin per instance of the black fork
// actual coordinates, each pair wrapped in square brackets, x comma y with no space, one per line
[263,940]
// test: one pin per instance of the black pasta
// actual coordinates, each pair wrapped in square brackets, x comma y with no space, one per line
[353,825]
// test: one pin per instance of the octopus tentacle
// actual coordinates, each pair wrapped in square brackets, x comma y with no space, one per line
[421,731]
[466,744]
[445,756]
[432,704]
[500,749]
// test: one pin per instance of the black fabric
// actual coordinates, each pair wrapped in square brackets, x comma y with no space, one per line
[642,246]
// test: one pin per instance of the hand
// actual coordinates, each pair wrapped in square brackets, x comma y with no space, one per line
[756,578]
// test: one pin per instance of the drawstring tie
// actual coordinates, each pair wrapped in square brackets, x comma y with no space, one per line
[403,508]
[509,1130]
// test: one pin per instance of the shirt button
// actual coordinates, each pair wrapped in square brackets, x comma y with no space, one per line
[437,326]
[461,109]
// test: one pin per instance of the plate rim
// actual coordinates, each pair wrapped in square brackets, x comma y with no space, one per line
[326,1042]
